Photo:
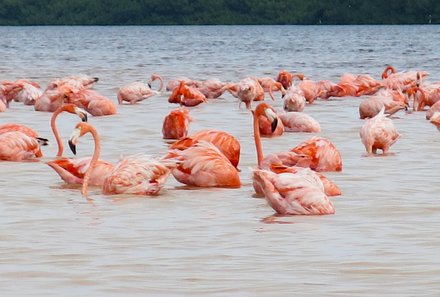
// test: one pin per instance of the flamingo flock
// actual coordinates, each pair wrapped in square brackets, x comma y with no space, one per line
[293,181]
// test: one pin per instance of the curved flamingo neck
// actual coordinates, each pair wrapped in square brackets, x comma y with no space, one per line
[388,70]
[93,161]
[55,131]
[161,83]
[257,138]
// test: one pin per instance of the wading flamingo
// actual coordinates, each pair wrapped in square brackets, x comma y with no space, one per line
[246,90]
[283,161]
[139,174]
[176,124]
[294,193]
[138,91]
[299,122]
[225,142]
[72,170]
[17,146]
[203,165]
[378,132]
[186,95]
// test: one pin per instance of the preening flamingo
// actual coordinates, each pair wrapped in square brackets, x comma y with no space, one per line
[378,132]
[186,95]
[17,146]
[288,161]
[294,193]
[139,174]
[225,142]
[246,90]
[324,155]
[176,124]
[137,91]
[203,165]
[299,122]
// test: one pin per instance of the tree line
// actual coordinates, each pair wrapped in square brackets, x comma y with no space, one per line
[217,12]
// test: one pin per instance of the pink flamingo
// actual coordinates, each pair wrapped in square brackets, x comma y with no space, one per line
[212,88]
[137,91]
[71,170]
[203,165]
[282,161]
[246,90]
[140,175]
[324,155]
[378,133]
[186,95]
[294,193]
[19,143]
[299,122]
[176,124]
[286,78]
[225,142]
[2,105]
[17,146]
[435,120]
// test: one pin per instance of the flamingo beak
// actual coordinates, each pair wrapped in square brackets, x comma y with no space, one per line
[81,113]
[273,118]
[72,147]
[73,139]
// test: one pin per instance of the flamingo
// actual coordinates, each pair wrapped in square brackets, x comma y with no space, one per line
[212,88]
[286,78]
[288,161]
[299,122]
[324,155]
[203,165]
[294,193]
[176,124]
[435,120]
[139,174]
[19,143]
[378,133]
[186,95]
[71,170]
[17,146]
[2,105]
[246,90]
[225,142]
[137,91]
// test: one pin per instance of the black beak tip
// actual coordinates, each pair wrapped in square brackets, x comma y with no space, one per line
[72,147]
[149,85]
[95,79]
[84,118]
[274,125]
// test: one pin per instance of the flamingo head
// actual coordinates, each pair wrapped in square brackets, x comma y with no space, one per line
[80,129]
[267,111]
[73,109]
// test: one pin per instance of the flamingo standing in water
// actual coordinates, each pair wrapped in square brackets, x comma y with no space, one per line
[72,170]
[283,161]
[186,95]
[203,165]
[225,142]
[176,124]
[324,155]
[19,143]
[378,133]
[294,193]
[299,122]
[139,175]
[246,90]
[137,91]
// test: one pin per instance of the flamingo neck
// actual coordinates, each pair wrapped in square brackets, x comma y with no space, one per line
[161,83]
[93,161]
[56,133]
[257,139]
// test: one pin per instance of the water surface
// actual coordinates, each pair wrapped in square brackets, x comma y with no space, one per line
[382,241]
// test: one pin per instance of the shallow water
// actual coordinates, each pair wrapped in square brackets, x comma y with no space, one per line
[382,241]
